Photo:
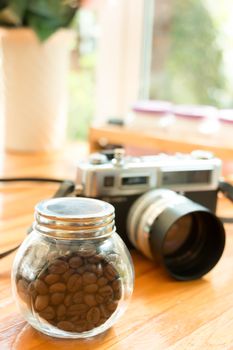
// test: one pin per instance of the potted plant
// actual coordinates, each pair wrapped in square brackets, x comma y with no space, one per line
[34,55]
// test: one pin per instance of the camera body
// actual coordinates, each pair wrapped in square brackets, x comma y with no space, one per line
[123,179]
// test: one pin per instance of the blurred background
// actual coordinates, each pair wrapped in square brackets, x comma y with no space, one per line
[185,56]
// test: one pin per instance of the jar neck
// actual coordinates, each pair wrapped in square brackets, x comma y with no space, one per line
[80,229]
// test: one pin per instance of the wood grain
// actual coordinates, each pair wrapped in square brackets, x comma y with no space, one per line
[163,313]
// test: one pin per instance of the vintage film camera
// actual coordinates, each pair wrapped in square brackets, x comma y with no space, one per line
[164,206]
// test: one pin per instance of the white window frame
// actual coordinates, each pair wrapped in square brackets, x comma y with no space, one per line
[123,68]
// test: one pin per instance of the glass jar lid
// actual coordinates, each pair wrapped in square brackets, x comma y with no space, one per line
[74,217]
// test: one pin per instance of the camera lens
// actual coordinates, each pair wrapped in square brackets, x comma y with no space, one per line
[184,236]
[177,235]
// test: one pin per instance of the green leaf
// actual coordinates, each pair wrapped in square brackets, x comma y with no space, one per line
[47,16]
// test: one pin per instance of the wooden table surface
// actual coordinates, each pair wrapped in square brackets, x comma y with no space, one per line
[163,313]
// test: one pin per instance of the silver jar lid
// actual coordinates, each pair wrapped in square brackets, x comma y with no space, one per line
[76,218]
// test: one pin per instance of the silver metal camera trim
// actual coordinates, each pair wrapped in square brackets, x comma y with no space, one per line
[91,176]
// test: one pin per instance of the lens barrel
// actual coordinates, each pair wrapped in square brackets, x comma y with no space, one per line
[184,236]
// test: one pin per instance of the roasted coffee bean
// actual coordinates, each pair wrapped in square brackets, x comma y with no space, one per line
[106,291]
[48,313]
[87,251]
[116,285]
[112,306]
[110,272]
[101,321]
[102,281]
[81,326]
[57,287]
[90,299]
[117,295]
[78,297]
[81,269]
[61,312]
[41,287]
[75,262]
[66,326]
[68,299]
[67,274]
[51,278]
[58,267]
[95,259]
[77,309]
[99,270]
[104,312]
[57,298]
[99,298]
[74,283]
[22,285]
[91,268]
[91,288]
[74,319]
[89,326]
[41,302]
[93,315]
[89,278]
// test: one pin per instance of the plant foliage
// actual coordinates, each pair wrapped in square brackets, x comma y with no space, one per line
[43,16]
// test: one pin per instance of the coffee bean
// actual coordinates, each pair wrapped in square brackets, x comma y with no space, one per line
[75,262]
[101,321]
[87,250]
[81,269]
[78,297]
[66,326]
[90,300]
[110,272]
[22,285]
[58,267]
[68,299]
[117,295]
[41,302]
[61,312]
[112,306]
[104,312]
[93,315]
[48,313]
[77,309]
[57,287]
[67,274]
[40,287]
[74,283]
[81,326]
[51,278]
[99,298]
[106,291]
[89,278]
[89,326]
[91,288]
[116,285]
[99,270]
[96,259]
[102,281]
[57,298]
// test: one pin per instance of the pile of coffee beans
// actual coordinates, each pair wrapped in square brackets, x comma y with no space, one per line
[76,292]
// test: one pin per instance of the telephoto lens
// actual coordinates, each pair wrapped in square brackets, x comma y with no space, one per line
[185,237]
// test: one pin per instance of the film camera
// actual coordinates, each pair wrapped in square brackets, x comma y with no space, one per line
[164,206]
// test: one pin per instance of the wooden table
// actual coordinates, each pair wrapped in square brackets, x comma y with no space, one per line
[163,314]
[155,140]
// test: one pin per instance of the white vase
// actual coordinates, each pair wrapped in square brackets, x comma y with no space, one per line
[34,89]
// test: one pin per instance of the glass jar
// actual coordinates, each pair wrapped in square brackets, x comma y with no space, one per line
[153,116]
[196,122]
[73,276]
